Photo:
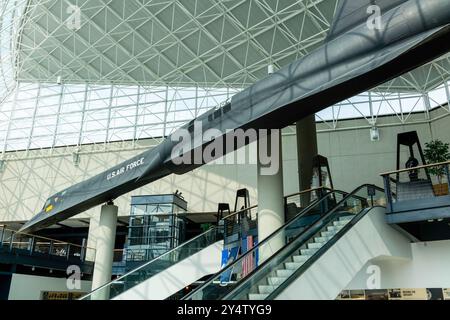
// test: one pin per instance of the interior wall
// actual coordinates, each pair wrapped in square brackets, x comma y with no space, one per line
[354,160]
[428,268]
[26,287]
[26,184]
[440,127]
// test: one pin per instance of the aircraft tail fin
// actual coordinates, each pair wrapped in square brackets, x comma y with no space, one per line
[351,13]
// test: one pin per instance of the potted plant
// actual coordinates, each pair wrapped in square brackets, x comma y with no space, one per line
[437,151]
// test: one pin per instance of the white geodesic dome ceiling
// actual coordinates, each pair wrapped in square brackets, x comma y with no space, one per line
[210,43]
[93,71]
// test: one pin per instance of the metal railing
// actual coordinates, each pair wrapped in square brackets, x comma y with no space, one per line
[240,222]
[240,271]
[305,197]
[12,241]
[150,268]
[237,222]
[422,182]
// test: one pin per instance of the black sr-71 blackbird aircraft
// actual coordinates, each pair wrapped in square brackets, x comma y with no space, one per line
[358,54]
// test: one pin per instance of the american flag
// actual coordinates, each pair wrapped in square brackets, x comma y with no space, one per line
[247,262]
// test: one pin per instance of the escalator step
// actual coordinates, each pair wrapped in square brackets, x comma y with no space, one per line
[308,252]
[315,245]
[329,234]
[257,296]
[340,223]
[322,239]
[283,273]
[292,265]
[275,281]
[300,259]
[334,228]
[266,289]
[346,218]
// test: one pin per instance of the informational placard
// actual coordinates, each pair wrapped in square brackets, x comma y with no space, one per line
[396,294]
[357,295]
[414,294]
[381,294]
[60,295]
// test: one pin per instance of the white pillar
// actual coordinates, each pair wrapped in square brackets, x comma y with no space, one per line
[270,200]
[105,238]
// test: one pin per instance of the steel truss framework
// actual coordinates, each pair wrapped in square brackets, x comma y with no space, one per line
[205,43]
[139,69]
[43,116]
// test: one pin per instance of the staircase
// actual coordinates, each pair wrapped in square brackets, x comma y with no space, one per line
[419,189]
[286,269]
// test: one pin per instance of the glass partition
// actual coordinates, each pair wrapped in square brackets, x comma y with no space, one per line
[251,270]
[155,266]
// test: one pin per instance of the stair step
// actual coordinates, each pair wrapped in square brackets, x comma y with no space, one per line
[315,245]
[292,265]
[257,296]
[301,259]
[275,281]
[329,234]
[283,273]
[334,228]
[346,218]
[266,289]
[340,223]
[322,239]
[308,252]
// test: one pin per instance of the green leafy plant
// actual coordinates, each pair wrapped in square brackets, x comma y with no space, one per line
[437,151]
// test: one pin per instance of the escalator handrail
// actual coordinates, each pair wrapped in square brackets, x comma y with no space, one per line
[191,240]
[240,211]
[150,262]
[308,229]
[290,221]
[306,191]
[320,252]
[215,228]
[285,198]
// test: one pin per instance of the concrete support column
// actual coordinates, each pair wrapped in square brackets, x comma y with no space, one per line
[270,197]
[105,238]
[306,151]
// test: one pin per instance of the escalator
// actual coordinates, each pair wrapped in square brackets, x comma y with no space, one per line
[165,275]
[170,265]
[290,252]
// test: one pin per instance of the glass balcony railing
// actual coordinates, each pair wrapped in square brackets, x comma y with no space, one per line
[230,227]
[247,273]
[417,188]
[151,268]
